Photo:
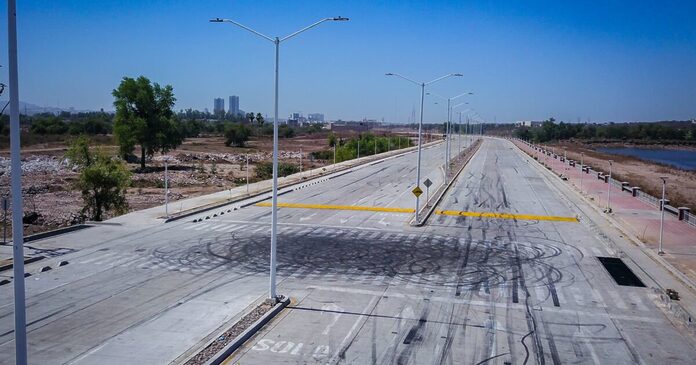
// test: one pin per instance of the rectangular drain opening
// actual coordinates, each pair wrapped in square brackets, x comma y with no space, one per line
[620,272]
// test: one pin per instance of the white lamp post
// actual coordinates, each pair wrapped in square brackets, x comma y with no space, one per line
[447,127]
[20,330]
[662,213]
[611,163]
[274,205]
[420,123]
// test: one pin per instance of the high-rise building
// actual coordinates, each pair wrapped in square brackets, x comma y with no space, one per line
[233,106]
[219,106]
[315,117]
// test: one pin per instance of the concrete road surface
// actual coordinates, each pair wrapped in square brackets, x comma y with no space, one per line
[366,287]
[463,290]
[146,293]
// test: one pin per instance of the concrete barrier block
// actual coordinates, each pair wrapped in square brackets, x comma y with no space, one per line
[663,203]
[682,212]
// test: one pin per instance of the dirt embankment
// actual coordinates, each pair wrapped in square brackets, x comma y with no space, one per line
[681,184]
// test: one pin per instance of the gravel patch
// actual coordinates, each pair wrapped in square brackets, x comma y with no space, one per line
[229,335]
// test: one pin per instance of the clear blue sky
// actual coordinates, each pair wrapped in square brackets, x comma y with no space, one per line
[604,60]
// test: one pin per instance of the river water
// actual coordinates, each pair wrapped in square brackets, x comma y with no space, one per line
[683,159]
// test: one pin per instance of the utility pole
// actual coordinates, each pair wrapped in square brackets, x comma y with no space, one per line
[166,189]
[582,168]
[300,160]
[611,163]
[20,330]
[662,213]
[247,172]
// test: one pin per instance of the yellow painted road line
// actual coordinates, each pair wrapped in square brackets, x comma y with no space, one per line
[410,210]
[338,207]
[530,217]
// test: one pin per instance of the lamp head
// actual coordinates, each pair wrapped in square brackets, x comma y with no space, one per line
[216,20]
[340,19]
[457,75]
[389,74]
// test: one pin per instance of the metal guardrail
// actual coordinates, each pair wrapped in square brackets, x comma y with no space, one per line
[690,219]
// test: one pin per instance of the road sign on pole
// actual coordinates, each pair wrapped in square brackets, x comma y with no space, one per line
[417,191]
[427,184]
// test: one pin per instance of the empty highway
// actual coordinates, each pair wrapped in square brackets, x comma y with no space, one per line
[367,288]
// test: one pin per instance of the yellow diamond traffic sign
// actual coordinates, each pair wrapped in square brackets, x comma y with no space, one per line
[417,191]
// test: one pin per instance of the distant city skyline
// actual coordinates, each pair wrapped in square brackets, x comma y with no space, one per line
[591,60]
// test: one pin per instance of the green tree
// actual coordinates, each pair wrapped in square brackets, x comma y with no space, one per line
[236,134]
[103,180]
[259,119]
[332,139]
[144,116]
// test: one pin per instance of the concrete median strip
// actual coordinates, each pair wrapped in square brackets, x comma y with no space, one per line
[531,217]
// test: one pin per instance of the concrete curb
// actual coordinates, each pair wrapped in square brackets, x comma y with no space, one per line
[226,352]
[333,174]
[55,232]
[449,185]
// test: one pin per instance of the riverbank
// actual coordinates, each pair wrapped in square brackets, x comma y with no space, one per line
[681,184]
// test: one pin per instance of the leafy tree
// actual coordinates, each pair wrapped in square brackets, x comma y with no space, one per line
[103,180]
[144,116]
[236,134]
[286,131]
[250,117]
[259,119]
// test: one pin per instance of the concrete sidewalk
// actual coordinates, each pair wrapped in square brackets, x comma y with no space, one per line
[640,219]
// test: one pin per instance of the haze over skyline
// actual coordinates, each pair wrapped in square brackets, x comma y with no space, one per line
[617,61]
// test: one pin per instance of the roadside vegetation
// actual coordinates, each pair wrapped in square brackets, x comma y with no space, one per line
[347,149]
[102,180]
[672,132]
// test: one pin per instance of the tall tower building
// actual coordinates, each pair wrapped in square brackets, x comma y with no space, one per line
[233,106]
[218,106]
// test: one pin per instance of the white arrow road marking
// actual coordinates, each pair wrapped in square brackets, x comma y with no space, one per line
[302,219]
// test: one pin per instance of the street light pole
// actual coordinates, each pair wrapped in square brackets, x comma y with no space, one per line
[448,127]
[166,189]
[20,330]
[582,167]
[611,163]
[662,213]
[274,204]
[420,123]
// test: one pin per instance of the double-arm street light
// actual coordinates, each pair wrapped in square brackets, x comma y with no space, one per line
[274,205]
[459,127]
[448,126]
[420,123]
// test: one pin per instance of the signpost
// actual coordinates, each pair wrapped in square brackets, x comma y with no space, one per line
[417,191]
[5,206]
[427,184]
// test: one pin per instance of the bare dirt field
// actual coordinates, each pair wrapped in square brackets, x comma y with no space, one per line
[681,184]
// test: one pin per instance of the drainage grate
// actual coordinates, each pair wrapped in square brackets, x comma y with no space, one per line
[620,272]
